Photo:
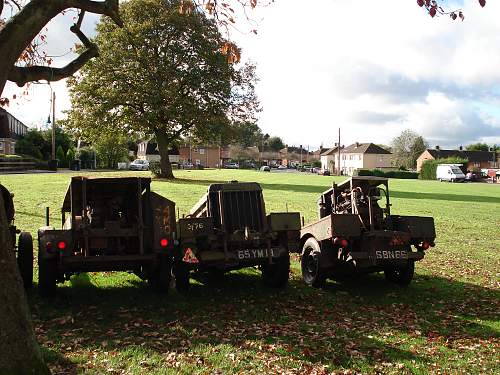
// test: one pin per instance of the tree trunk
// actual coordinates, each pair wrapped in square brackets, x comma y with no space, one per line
[165,166]
[19,351]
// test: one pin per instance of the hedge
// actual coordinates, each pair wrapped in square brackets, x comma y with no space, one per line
[428,170]
[388,174]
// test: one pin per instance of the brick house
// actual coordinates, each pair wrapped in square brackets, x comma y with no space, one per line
[363,156]
[477,159]
[11,129]
[207,156]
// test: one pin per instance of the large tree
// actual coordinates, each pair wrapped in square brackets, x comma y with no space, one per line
[164,74]
[407,147]
[22,61]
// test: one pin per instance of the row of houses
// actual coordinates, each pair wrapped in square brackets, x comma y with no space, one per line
[10,130]
[353,157]
[215,156]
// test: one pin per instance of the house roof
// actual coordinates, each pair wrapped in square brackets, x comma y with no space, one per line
[331,151]
[364,148]
[472,156]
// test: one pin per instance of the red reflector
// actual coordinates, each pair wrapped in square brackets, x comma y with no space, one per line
[61,245]
[163,242]
[48,245]
[343,242]
[426,245]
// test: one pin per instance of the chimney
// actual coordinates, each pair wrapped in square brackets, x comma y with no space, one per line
[336,144]
[461,148]
[437,147]
[357,144]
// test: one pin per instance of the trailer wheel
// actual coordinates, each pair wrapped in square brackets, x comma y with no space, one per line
[276,275]
[401,275]
[312,273]
[160,279]
[181,275]
[25,259]
[47,276]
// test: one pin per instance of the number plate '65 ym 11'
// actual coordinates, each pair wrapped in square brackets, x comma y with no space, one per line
[257,253]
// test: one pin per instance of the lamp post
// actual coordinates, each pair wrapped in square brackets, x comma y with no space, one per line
[53,124]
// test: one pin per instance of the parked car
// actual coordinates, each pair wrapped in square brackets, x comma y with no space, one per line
[139,165]
[315,170]
[449,172]
[324,172]
[282,167]
[265,168]
[232,166]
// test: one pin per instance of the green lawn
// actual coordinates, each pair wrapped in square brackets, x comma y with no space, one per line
[446,321]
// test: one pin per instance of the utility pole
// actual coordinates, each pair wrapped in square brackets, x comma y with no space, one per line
[339,170]
[53,125]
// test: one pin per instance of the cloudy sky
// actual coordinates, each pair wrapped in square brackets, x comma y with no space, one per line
[371,68]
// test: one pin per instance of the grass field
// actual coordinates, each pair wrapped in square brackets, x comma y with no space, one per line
[446,321]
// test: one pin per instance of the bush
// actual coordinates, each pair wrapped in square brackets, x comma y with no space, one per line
[70,155]
[154,167]
[86,156]
[61,156]
[388,174]
[428,170]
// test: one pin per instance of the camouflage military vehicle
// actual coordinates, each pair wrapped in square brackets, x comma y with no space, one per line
[228,229]
[109,224]
[24,247]
[354,234]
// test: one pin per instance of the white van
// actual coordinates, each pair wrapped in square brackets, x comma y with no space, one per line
[449,172]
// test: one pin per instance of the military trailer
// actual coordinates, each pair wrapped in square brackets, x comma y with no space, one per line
[228,229]
[24,246]
[354,234]
[109,224]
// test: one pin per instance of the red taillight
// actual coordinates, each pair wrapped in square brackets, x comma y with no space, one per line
[48,246]
[163,242]
[341,242]
[426,245]
[61,245]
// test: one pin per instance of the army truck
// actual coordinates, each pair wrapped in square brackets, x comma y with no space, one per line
[24,245]
[228,229]
[109,224]
[356,233]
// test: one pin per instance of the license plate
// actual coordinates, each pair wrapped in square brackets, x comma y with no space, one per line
[391,254]
[257,253]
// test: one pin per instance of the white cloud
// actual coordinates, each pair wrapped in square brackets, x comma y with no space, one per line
[372,68]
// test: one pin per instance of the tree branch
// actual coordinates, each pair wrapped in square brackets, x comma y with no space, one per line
[22,75]
[108,8]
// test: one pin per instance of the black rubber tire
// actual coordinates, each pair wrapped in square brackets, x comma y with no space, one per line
[162,274]
[25,259]
[181,274]
[47,276]
[276,275]
[312,273]
[401,275]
